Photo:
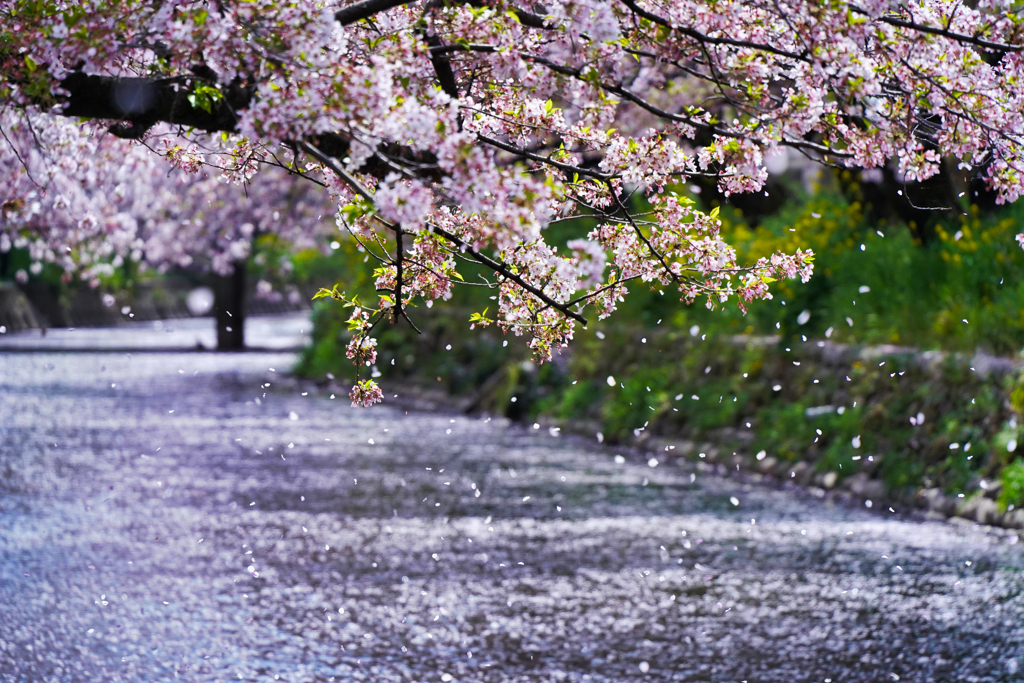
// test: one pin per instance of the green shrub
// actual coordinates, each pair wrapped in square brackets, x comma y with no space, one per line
[1013,485]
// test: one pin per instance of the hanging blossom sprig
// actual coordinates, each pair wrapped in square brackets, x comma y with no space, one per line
[361,348]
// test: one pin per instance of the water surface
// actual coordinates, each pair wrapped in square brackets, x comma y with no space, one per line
[158,522]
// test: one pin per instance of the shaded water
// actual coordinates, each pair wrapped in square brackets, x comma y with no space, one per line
[156,522]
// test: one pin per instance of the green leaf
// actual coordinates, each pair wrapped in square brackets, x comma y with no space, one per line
[322,294]
[204,97]
[356,209]
[30,63]
[199,103]
[714,212]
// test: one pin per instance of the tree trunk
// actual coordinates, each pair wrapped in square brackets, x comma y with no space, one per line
[229,308]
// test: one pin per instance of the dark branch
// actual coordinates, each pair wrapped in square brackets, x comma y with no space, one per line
[399,262]
[366,9]
[442,67]
[448,49]
[143,102]
[690,33]
[565,168]
[944,32]
[499,268]
[578,74]
[505,272]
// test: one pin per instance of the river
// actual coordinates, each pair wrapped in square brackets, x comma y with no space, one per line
[183,515]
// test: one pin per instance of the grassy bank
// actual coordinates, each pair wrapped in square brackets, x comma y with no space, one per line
[892,420]
[903,420]
[803,386]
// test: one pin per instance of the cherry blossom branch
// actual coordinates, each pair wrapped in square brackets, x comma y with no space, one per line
[499,268]
[567,168]
[399,259]
[602,289]
[640,233]
[700,37]
[383,260]
[337,169]
[579,74]
[944,32]
[505,272]
[366,9]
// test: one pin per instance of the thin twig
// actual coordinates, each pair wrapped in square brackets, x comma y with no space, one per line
[506,272]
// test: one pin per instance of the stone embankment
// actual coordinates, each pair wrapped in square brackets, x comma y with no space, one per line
[16,312]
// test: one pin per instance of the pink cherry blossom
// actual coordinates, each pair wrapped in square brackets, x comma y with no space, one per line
[365,393]
[440,133]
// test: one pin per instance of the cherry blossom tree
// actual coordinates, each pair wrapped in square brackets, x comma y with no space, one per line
[89,202]
[451,132]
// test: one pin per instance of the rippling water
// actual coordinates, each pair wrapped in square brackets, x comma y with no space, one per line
[157,522]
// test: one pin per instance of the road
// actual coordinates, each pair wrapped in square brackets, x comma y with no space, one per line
[158,522]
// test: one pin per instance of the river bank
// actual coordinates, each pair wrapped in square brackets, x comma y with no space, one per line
[885,424]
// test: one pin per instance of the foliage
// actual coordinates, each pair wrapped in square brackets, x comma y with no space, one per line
[906,421]
[894,291]
[1013,484]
